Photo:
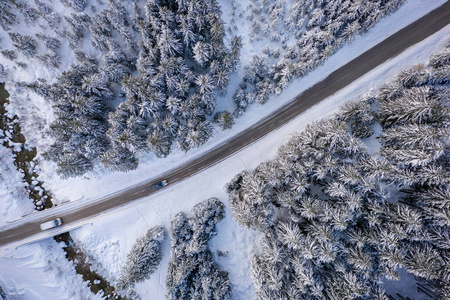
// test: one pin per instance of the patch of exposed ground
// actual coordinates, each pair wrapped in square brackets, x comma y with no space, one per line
[96,282]
[12,138]
[24,160]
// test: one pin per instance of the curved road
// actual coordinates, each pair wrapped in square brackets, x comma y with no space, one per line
[28,227]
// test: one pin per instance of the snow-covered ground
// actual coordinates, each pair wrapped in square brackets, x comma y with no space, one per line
[126,225]
[100,182]
[39,271]
[15,200]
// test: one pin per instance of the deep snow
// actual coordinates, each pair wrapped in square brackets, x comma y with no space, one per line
[39,270]
[126,225]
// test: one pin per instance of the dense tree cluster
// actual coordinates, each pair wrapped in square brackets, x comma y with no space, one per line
[14,13]
[143,258]
[183,61]
[338,221]
[79,99]
[309,32]
[192,273]
[164,61]
[161,62]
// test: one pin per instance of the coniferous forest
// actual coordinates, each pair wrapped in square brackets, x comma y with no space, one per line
[309,32]
[162,60]
[146,74]
[339,221]
[350,206]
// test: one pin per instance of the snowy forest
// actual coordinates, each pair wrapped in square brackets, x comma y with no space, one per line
[340,221]
[351,206]
[149,86]
[309,32]
[135,77]
[192,272]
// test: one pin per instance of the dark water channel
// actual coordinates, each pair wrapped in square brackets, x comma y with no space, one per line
[22,161]
[3,93]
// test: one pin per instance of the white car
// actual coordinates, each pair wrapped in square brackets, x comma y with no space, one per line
[51,224]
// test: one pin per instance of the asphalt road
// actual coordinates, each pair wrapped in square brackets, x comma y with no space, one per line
[389,48]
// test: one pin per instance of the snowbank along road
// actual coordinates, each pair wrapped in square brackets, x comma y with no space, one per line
[27,229]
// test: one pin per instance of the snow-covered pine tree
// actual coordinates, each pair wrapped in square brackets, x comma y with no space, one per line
[441,58]
[440,75]
[53,19]
[201,53]
[159,143]
[100,28]
[240,98]
[9,54]
[224,119]
[119,159]
[78,5]
[440,67]
[236,46]
[251,201]
[143,258]
[416,76]
[52,60]
[25,44]
[73,165]
[417,105]
[7,17]
[29,13]
[360,116]
[257,70]
[50,42]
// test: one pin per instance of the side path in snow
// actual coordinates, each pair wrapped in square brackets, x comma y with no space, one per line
[74,213]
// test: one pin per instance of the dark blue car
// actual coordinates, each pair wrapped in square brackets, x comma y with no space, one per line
[160,184]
